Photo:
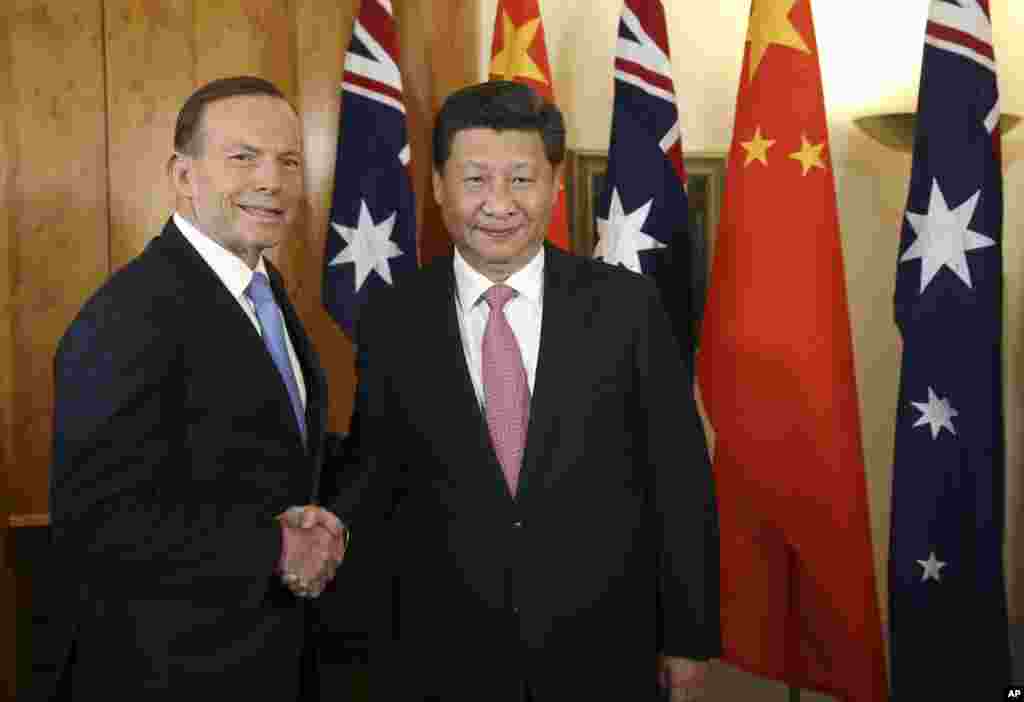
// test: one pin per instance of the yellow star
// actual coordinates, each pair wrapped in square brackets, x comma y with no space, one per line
[770,24]
[809,154]
[513,61]
[757,148]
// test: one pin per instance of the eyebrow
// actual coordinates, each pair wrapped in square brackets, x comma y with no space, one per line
[480,164]
[252,149]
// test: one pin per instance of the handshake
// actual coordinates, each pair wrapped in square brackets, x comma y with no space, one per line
[313,542]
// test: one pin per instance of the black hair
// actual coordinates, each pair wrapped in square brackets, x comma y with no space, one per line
[499,105]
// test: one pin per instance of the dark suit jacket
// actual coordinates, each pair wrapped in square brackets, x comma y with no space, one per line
[174,447]
[609,552]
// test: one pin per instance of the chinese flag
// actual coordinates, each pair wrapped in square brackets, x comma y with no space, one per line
[518,53]
[777,381]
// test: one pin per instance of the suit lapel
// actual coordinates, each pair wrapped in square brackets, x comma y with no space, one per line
[464,403]
[558,339]
[213,298]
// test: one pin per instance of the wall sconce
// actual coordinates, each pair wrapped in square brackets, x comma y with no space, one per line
[896,129]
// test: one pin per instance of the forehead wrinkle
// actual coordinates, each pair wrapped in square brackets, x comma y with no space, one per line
[239,144]
[486,165]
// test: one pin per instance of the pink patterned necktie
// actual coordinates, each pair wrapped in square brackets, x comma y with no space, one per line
[506,392]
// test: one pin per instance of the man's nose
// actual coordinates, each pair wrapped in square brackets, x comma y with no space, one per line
[270,175]
[500,201]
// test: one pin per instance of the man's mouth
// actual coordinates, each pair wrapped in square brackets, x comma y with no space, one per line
[266,214]
[498,233]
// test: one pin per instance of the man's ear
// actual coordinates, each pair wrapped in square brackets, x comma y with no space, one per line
[559,173]
[180,169]
[438,185]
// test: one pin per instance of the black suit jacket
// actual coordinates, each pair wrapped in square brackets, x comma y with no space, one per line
[609,552]
[174,447]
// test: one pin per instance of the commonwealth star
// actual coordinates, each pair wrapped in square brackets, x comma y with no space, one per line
[369,246]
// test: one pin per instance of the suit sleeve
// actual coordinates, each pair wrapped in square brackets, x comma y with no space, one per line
[120,445]
[684,496]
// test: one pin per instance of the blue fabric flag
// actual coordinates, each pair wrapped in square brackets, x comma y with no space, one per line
[643,211]
[948,618]
[371,238]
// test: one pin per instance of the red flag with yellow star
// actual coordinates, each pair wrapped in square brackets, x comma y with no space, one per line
[777,380]
[518,53]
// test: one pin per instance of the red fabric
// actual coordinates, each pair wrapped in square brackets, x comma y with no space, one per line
[520,12]
[777,379]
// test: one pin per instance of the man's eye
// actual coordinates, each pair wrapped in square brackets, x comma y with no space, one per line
[293,163]
[241,157]
[520,180]
[474,180]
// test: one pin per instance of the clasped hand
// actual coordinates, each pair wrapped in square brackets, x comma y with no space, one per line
[312,547]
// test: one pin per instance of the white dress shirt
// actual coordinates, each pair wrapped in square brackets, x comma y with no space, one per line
[236,274]
[524,312]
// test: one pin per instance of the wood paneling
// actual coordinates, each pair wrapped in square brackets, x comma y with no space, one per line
[323,28]
[8,159]
[150,73]
[58,206]
[250,37]
[56,228]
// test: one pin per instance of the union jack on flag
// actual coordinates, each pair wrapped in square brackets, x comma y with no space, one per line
[371,239]
[643,212]
[946,553]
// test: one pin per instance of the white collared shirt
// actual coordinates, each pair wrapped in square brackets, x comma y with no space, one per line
[524,313]
[236,275]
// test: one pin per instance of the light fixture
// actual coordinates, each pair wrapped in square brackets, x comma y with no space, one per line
[896,129]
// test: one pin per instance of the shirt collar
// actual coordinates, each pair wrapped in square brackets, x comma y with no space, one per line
[528,281]
[233,271]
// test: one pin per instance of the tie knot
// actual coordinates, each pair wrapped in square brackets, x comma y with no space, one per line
[259,289]
[498,295]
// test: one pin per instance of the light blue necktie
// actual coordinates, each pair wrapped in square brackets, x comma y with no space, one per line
[269,315]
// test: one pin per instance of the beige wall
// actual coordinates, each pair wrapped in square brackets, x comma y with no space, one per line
[870,59]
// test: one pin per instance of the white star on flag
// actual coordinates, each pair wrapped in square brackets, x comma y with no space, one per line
[943,237]
[621,238]
[369,246]
[932,567]
[937,413]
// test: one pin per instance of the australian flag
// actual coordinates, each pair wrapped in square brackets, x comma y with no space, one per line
[946,556]
[643,211]
[371,239]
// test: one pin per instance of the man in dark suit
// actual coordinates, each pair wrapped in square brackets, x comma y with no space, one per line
[534,480]
[189,416]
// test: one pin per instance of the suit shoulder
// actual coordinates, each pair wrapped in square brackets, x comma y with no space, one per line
[140,293]
[599,276]
[427,281]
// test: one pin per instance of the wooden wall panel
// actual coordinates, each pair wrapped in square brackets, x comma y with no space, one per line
[323,29]
[252,37]
[445,41]
[59,205]
[8,469]
[57,216]
[150,73]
